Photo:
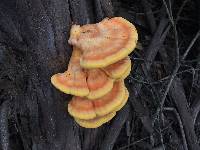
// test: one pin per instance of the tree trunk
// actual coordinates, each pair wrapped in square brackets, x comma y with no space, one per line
[33,37]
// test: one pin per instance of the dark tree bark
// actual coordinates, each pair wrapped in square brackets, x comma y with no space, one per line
[33,37]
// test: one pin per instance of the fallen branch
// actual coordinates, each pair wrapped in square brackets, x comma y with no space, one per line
[180,124]
[117,124]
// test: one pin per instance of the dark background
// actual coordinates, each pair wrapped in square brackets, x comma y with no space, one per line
[164,84]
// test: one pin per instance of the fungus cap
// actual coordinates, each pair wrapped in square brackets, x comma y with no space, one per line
[96,122]
[99,83]
[125,99]
[119,69]
[110,101]
[81,108]
[74,34]
[106,42]
[126,73]
[72,81]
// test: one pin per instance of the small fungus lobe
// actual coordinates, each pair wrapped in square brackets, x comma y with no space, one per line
[72,81]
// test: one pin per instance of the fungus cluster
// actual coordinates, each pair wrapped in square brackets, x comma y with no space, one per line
[97,69]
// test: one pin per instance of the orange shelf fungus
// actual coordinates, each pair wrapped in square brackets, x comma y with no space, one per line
[81,108]
[99,83]
[120,69]
[97,69]
[104,43]
[126,74]
[72,81]
[125,99]
[96,122]
[74,33]
[100,120]
[110,101]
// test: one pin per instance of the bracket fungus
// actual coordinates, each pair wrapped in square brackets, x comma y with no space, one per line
[99,83]
[72,81]
[105,109]
[104,43]
[82,108]
[120,69]
[126,74]
[110,101]
[125,99]
[96,122]
[97,69]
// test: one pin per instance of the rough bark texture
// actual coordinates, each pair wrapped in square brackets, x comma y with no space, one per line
[34,46]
